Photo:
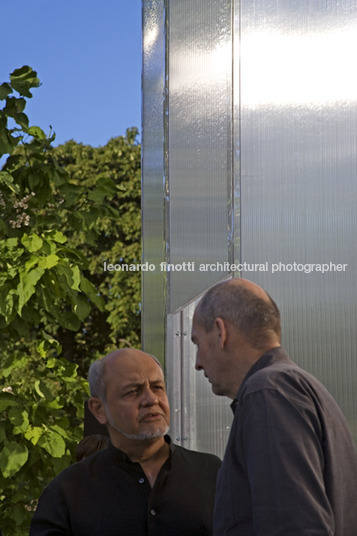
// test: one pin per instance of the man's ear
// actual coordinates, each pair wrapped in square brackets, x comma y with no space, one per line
[222,332]
[96,406]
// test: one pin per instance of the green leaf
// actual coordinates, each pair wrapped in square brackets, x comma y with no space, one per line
[82,308]
[104,187]
[97,196]
[7,400]
[8,142]
[32,243]
[40,184]
[33,434]
[19,419]
[23,79]
[7,302]
[31,263]
[51,363]
[22,120]
[72,274]
[56,236]
[37,133]
[47,344]
[5,90]
[48,262]
[53,443]
[12,243]
[90,290]
[26,287]
[12,457]
[60,431]
[8,180]
[69,320]
[37,388]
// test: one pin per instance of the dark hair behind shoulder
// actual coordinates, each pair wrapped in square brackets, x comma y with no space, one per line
[90,444]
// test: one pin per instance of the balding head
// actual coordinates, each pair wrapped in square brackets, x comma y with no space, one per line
[100,369]
[246,306]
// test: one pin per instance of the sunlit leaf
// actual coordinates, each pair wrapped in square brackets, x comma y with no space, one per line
[37,132]
[32,243]
[12,457]
[48,262]
[53,443]
[26,287]
[23,79]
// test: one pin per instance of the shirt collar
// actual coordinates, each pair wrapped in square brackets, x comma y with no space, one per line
[122,458]
[275,355]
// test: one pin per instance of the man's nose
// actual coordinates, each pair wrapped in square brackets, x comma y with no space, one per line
[149,398]
[198,365]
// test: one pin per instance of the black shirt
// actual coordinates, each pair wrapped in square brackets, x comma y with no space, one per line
[109,495]
[290,468]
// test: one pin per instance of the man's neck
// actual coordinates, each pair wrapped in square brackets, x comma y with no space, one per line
[150,454]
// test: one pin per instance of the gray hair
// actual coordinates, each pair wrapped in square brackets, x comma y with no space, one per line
[254,317]
[97,378]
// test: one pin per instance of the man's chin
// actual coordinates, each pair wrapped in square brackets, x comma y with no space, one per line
[217,390]
[147,435]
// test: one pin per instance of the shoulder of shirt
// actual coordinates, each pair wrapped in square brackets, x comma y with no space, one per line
[78,469]
[195,456]
[277,375]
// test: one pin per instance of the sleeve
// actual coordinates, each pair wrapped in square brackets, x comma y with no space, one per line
[51,517]
[284,463]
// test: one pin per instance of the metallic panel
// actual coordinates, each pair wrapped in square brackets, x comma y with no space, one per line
[199,419]
[253,164]
[199,226]
[153,282]
[298,117]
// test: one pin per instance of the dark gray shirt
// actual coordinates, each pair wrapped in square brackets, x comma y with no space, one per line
[290,468]
[108,495]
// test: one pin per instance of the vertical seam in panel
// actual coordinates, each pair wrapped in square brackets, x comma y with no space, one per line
[230,148]
[182,378]
[166,178]
[237,126]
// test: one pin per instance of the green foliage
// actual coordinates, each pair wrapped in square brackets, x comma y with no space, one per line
[116,240]
[64,212]
[41,405]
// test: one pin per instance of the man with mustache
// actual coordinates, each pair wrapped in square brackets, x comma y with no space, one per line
[290,467]
[141,484]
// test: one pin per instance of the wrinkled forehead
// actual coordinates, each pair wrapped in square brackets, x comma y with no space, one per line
[134,368]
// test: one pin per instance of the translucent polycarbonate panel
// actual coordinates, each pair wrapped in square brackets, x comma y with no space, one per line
[298,122]
[199,146]
[199,419]
[153,281]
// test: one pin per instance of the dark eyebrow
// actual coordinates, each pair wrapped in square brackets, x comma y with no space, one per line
[133,384]
[158,382]
[129,386]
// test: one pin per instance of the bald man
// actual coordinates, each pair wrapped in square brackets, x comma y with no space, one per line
[290,467]
[141,484]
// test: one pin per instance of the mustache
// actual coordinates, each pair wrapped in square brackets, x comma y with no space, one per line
[152,414]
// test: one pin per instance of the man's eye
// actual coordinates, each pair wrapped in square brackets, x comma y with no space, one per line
[132,391]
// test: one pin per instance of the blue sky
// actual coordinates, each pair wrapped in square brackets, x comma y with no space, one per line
[87,54]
